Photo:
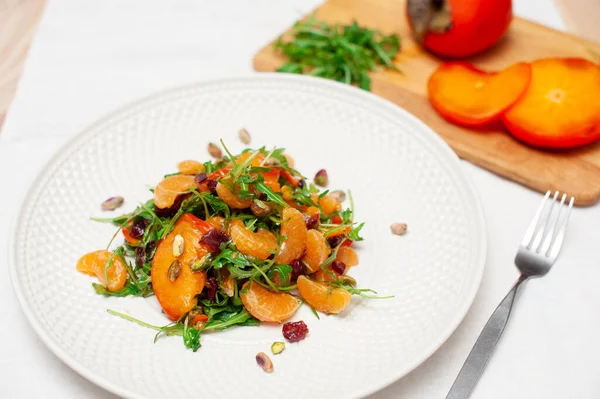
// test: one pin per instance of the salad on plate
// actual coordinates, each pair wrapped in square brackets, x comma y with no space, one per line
[238,240]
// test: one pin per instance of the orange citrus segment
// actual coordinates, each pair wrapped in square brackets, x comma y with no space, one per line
[294,230]
[317,250]
[327,202]
[179,296]
[218,222]
[257,244]
[231,200]
[348,256]
[266,305]
[170,187]
[323,297]
[190,167]
[468,96]
[561,107]
[94,264]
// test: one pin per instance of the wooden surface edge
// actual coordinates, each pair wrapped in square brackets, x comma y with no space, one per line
[18,25]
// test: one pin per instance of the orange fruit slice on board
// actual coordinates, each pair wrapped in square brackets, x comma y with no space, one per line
[266,305]
[175,284]
[322,296]
[94,264]
[347,255]
[170,187]
[561,107]
[190,167]
[317,250]
[257,244]
[468,96]
[294,229]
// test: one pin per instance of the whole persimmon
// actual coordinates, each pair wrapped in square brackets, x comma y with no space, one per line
[458,28]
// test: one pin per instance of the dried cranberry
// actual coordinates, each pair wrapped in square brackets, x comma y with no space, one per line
[149,251]
[138,228]
[313,221]
[298,269]
[295,331]
[140,256]
[335,240]
[338,267]
[172,210]
[211,288]
[213,239]
[301,183]
[263,197]
[212,186]
[200,177]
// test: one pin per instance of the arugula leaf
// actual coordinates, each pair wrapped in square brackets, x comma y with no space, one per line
[354,233]
[191,337]
[270,194]
[346,53]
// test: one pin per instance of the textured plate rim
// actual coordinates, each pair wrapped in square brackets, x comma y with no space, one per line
[477,213]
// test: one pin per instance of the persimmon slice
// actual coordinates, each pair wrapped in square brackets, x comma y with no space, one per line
[468,96]
[561,107]
[266,305]
[178,295]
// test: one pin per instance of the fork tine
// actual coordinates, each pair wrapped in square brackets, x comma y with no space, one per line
[544,221]
[556,243]
[548,236]
[529,234]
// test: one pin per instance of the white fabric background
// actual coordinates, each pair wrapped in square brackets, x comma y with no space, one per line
[90,57]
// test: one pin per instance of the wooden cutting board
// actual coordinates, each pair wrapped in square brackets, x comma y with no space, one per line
[576,172]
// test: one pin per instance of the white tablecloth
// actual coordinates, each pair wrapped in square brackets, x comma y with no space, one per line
[90,57]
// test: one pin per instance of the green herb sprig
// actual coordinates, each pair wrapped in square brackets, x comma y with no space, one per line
[345,53]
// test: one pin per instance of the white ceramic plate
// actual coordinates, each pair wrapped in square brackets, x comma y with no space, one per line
[398,171]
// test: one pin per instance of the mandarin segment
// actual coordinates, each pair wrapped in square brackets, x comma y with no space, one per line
[561,107]
[317,250]
[259,244]
[468,96]
[323,297]
[348,256]
[218,222]
[179,296]
[94,264]
[294,230]
[327,202]
[190,167]
[230,199]
[266,305]
[170,187]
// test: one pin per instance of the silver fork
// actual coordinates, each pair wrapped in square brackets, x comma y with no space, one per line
[536,255]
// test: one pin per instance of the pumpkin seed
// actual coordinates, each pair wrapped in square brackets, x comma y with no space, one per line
[178,244]
[399,229]
[321,178]
[244,136]
[265,362]
[112,203]
[214,150]
[174,271]
[201,263]
[277,347]
[338,195]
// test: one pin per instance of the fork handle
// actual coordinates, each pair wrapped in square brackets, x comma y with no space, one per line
[484,347]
